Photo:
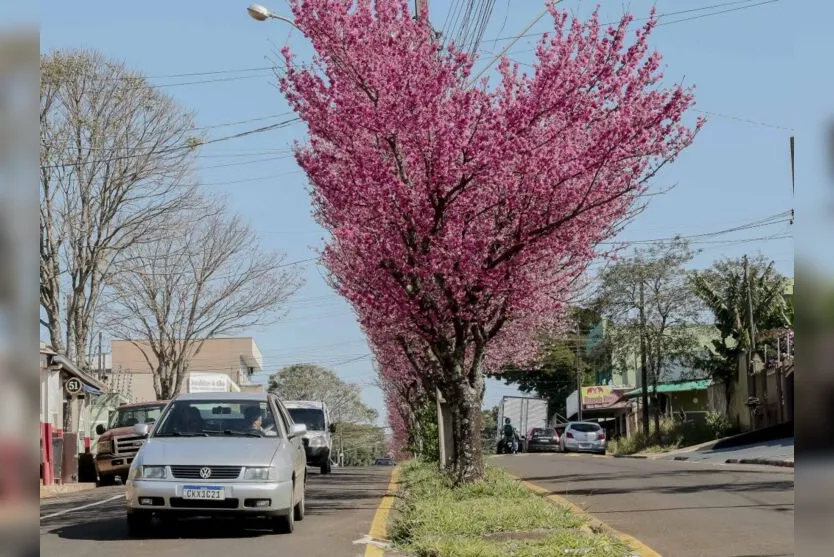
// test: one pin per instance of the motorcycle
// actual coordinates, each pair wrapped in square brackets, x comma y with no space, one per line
[509,444]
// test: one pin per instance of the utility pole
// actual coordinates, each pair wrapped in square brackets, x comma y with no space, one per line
[644,372]
[100,358]
[418,8]
[751,349]
[578,382]
[780,395]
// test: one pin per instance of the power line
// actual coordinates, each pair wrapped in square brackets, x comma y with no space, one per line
[509,46]
[262,129]
[663,15]
[785,216]
[745,120]
[181,75]
[717,13]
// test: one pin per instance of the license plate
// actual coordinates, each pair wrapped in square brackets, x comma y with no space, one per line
[203,493]
[585,445]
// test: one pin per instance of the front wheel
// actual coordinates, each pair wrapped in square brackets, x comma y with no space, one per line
[105,480]
[300,509]
[286,524]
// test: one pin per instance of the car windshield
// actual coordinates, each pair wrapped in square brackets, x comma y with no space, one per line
[313,418]
[585,428]
[127,417]
[215,418]
[539,432]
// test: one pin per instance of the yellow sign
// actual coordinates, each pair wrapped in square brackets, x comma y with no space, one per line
[598,396]
[596,392]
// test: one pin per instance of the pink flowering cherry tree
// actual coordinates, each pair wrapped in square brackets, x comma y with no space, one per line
[459,211]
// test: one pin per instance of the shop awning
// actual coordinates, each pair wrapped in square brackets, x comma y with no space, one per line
[676,387]
[89,389]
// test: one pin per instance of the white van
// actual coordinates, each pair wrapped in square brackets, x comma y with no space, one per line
[317,441]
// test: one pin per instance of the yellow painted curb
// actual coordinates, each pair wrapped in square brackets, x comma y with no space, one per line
[379,526]
[636,545]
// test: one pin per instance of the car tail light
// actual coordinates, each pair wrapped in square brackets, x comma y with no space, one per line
[570,435]
[602,436]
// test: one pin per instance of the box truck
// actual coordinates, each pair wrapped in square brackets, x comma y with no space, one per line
[525,413]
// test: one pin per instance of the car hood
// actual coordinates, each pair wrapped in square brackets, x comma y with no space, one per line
[310,434]
[118,432]
[214,451]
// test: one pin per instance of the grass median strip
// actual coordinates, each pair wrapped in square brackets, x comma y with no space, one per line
[495,517]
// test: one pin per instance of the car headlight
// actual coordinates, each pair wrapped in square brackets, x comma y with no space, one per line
[105,446]
[152,473]
[261,473]
[317,442]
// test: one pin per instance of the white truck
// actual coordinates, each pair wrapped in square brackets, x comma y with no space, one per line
[525,413]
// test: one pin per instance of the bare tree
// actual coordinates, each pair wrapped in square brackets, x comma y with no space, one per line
[652,310]
[116,157]
[210,277]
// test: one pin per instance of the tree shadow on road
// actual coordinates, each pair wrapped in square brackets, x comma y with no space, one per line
[706,473]
[113,527]
[674,482]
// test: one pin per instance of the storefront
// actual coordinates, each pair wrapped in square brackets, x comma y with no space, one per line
[603,404]
[65,400]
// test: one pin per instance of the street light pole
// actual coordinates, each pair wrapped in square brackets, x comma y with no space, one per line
[261,13]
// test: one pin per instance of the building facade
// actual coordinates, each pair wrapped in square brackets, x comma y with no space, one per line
[237,357]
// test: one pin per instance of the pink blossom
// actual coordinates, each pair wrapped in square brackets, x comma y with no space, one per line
[462,216]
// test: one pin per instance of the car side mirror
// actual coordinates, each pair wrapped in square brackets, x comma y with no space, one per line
[298,429]
[100,429]
[141,430]
[332,428]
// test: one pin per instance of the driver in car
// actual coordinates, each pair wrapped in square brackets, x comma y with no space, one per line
[254,418]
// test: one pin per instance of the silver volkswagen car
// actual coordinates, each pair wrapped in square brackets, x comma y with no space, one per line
[213,454]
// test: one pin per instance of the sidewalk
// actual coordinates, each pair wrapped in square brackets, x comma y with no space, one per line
[48,491]
[779,452]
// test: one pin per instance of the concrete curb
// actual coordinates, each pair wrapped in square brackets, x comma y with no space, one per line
[638,548]
[377,544]
[50,491]
[761,461]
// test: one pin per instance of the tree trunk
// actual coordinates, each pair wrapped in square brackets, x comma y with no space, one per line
[464,398]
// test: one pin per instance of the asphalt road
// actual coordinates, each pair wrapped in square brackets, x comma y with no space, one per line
[340,509]
[679,509]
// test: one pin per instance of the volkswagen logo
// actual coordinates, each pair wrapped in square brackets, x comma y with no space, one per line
[205,472]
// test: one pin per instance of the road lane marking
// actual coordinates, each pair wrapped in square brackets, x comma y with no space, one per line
[379,526]
[640,549]
[88,505]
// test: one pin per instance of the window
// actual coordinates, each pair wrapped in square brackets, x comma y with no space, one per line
[585,427]
[126,417]
[208,418]
[313,418]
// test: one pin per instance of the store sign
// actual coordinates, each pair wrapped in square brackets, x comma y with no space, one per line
[598,396]
[208,383]
[73,386]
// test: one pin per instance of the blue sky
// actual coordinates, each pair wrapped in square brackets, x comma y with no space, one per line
[214,59]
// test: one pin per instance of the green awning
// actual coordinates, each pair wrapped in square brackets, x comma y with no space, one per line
[677,387]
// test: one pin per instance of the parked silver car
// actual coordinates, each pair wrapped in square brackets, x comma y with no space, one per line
[583,437]
[219,454]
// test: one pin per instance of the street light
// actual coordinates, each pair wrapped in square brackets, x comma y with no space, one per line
[261,13]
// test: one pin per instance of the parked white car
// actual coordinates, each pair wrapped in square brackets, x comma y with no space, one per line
[212,454]
[583,437]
